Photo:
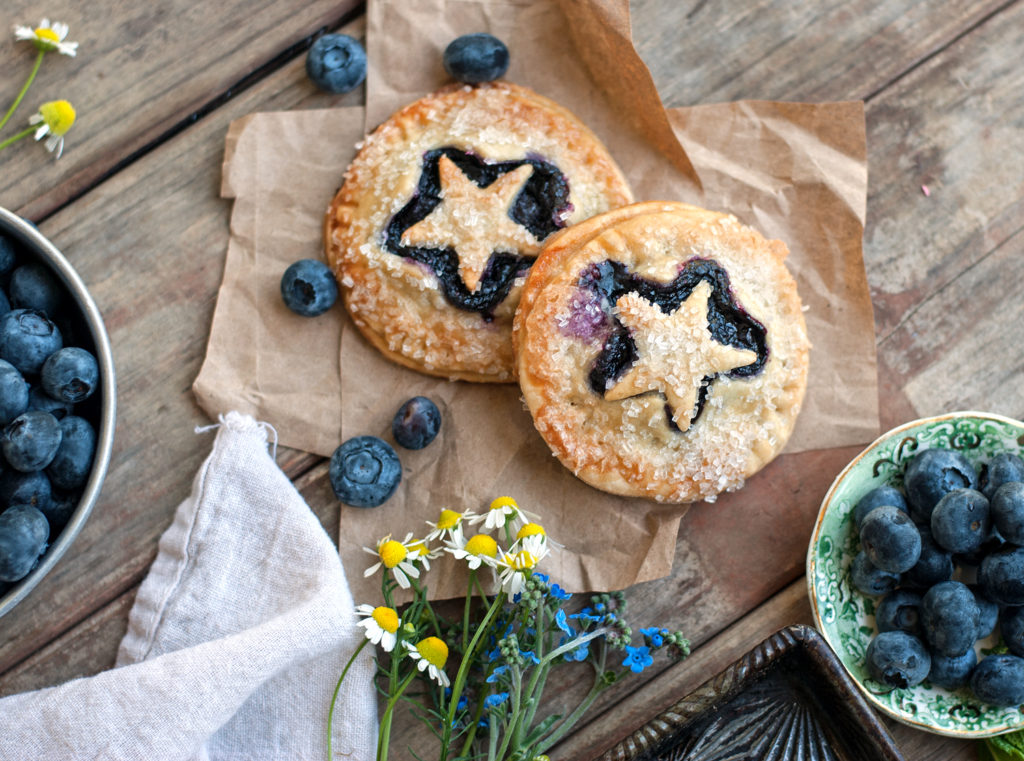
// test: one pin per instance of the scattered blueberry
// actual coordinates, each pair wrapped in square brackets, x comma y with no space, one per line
[30,441]
[881,495]
[336,63]
[1007,511]
[416,423]
[23,535]
[933,473]
[999,679]
[1002,468]
[1001,576]
[17,488]
[988,612]
[1011,627]
[70,374]
[959,521]
[898,659]
[900,610]
[950,618]
[934,565]
[308,287]
[13,392]
[890,539]
[475,58]
[72,462]
[364,471]
[869,579]
[34,287]
[27,338]
[954,671]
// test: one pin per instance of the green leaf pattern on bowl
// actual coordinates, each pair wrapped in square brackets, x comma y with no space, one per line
[846,617]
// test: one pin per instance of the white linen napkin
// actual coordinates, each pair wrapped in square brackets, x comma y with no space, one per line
[235,642]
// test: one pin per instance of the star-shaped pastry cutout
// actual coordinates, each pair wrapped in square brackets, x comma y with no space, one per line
[474,221]
[675,352]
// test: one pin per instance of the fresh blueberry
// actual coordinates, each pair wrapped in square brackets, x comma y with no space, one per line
[70,374]
[950,618]
[954,671]
[999,679]
[475,58]
[5,304]
[33,286]
[308,287]
[1007,511]
[23,535]
[869,579]
[931,474]
[8,255]
[30,441]
[1002,468]
[40,400]
[1001,576]
[880,495]
[364,471]
[897,659]
[71,464]
[27,338]
[1011,626]
[934,565]
[416,423]
[890,539]
[900,610]
[17,488]
[13,392]
[336,63]
[988,612]
[58,511]
[959,521]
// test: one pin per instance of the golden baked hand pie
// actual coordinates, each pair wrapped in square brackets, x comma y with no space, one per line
[662,351]
[444,209]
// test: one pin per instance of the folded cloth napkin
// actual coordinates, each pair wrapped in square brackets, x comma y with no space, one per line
[235,642]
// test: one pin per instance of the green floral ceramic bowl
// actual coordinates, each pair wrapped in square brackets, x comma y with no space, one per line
[845,617]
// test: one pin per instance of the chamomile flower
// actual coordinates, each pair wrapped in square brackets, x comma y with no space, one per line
[501,511]
[54,118]
[479,549]
[394,556]
[381,624]
[533,538]
[420,553]
[48,37]
[516,566]
[430,655]
[448,524]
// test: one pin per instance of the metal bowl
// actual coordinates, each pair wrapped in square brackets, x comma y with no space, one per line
[99,410]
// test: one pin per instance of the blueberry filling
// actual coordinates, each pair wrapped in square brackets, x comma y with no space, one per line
[540,207]
[728,322]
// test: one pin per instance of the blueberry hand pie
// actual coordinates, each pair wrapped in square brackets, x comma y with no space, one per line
[662,350]
[442,213]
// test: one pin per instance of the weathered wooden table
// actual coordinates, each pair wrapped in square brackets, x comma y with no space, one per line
[134,205]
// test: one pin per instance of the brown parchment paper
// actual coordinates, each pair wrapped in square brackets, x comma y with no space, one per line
[795,171]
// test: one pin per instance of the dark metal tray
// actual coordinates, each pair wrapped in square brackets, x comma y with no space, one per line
[787,699]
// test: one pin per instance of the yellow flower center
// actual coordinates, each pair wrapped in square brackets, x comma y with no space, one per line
[418,548]
[449,519]
[482,545]
[504,502]
[386,618]
[47,34]
[59,115]
[524,560]
[392,552]
[434,651]
[531,529]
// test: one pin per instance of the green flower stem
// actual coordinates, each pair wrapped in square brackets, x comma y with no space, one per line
[535,687]
[465,610]
[471,735]
[337,690]
[384,734]
[569,721]
[24,89]
[460,677]
[512,730]
[492,740]
[17,137]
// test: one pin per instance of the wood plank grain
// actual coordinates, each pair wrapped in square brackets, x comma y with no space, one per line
[149,244]
[141,69]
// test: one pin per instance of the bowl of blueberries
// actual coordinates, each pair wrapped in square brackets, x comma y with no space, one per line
[915,572]
[57,406]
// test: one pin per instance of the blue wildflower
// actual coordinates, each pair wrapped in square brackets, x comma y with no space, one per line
[587,617]
[563,624]
[638,658]
[654,635]
[579,654]
[496,674]
[542,576]
[529,655]
[558,593]
[463,703]
[493,701]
